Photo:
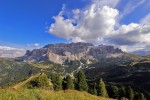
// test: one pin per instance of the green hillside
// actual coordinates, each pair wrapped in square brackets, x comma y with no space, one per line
[11,71]
[37,94]
[21,91]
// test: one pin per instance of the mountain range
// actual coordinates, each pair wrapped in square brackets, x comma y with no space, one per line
[107,62]
[59,53]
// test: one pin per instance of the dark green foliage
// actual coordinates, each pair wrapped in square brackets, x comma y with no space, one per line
[115,90]
[93,89]
[130,93]
[53,78]
[122,91]
[69,83]
[139,96]
[57,82]
[71,65]
[13,72]
[81,81]
[102,89]
[84,61]
[33,84]
[30,72]
[41,82]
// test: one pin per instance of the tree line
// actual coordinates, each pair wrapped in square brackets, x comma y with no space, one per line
[79,83]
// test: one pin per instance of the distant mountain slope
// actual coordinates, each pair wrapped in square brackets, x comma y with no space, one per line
[135,74]
[11,71]
[142,53]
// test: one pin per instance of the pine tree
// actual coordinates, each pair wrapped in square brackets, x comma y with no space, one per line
[58,85]
[69,83]
[43,81]
[81,81]
[53,78]
[102,89]
[141,97]
[57,82]
[130,93]
[115,90]
[30,73]
[95,89]
[136,95]
[123,91]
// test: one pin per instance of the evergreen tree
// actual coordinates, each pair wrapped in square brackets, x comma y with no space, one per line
[81,81]
[57,82]
[115,90]
[43,80]
[69,83]
[30,73]
[141,97]
[95,89]
[136,95]
[123,91]
[130,93]
[53,78]
[58,85]
[102,89]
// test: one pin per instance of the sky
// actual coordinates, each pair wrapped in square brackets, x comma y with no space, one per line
[30,24]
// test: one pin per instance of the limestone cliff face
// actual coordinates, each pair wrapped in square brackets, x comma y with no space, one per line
[61,52]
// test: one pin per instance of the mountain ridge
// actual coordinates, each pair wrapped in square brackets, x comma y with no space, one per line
[61,52]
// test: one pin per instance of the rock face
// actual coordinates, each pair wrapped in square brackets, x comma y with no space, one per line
[61,52]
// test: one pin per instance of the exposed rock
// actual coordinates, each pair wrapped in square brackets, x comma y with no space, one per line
[61,52]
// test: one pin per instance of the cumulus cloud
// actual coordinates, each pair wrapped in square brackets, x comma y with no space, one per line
[134,36]
[99,23]
[131,34]
[89,25]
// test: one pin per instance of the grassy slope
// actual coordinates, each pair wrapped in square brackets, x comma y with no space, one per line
[22,84]
[36,94]
[18,92]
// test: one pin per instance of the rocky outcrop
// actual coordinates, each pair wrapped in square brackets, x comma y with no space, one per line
[61,52]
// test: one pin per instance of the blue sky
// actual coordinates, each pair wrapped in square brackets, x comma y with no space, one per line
[27,23]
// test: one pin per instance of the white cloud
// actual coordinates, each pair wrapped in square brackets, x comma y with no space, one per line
[9,48]
[131,37]
[110,3]
[97,23]
[11,52]
[33,45]
[146,19]
[90,25]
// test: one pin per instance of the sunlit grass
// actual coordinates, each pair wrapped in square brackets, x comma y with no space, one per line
[37,94]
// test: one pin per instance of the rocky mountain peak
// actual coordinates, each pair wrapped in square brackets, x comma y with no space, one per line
[61,52]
